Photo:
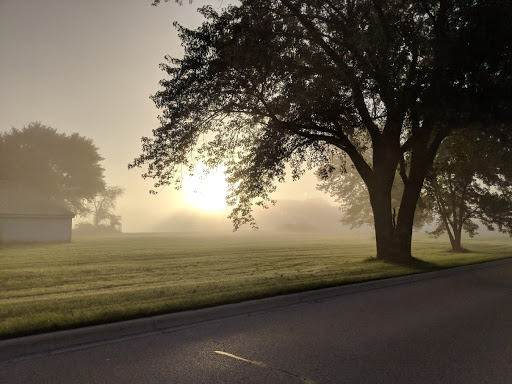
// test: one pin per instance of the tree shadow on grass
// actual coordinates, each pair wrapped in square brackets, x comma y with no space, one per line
[459,251]
[422,265]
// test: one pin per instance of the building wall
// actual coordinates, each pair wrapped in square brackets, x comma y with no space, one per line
[21,230]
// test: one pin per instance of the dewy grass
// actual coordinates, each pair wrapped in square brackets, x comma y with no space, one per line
[98,280]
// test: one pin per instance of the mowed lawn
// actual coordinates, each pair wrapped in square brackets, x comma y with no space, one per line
[104,279]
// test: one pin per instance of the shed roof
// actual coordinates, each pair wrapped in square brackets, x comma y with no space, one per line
[17,200]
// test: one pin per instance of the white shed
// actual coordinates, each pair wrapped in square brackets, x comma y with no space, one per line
[25,216]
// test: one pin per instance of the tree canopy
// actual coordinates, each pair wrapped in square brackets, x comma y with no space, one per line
[297,82]
[65,168]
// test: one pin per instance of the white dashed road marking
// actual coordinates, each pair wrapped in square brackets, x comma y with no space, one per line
[264,365]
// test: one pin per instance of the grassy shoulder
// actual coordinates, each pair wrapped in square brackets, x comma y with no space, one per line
[104,279]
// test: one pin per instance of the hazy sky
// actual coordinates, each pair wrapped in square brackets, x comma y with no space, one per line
[89,66]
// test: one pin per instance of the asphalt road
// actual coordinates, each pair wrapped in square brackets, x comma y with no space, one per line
[452,328]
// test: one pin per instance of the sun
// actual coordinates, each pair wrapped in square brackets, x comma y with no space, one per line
[206,190]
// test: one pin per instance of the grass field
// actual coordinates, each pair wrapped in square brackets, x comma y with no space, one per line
[99,280]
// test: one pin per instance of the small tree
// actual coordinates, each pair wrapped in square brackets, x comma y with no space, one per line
[471,182]
[103,206]
[65,168]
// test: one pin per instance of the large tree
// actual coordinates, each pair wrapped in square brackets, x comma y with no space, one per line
[276,82]
[65,168]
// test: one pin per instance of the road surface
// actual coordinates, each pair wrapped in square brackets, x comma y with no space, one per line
[451,328]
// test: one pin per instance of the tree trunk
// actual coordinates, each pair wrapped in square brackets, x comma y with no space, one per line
[394,240]
[449,231]
[456,240]
[390,245]
[381,206]
[379,190]
[421,161]
[402,237]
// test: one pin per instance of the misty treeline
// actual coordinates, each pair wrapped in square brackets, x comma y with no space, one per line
[63,168]
[298,83]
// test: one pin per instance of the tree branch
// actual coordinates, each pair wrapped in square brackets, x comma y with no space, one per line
[360,105]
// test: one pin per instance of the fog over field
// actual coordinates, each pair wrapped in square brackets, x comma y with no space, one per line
[90,67]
